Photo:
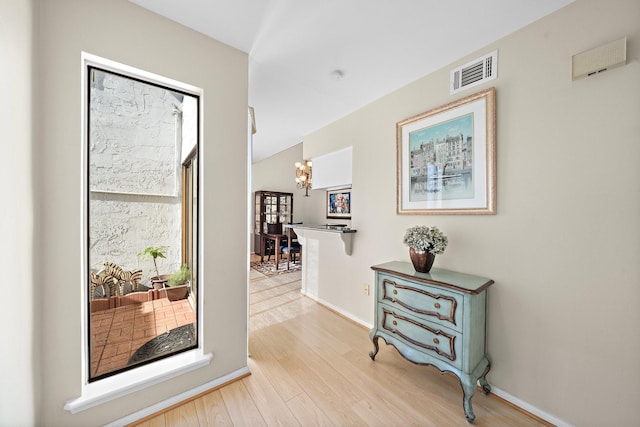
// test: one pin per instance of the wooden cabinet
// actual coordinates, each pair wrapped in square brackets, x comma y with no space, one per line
[436,318]
[271,210]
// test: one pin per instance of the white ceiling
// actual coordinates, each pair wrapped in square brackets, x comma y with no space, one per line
[380,45]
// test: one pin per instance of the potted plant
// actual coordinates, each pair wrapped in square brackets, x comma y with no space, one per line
[179,284]
[159,280]
[424,244]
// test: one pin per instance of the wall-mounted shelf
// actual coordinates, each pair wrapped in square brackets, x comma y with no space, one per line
[345,232]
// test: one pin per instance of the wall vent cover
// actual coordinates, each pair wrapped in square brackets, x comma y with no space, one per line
[599,59]
[473,73]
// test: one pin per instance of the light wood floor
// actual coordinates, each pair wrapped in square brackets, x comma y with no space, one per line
[311,367]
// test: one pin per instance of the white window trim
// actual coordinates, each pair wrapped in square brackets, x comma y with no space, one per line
[119,385]
[113,387]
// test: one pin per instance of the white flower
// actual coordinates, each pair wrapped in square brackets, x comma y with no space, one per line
[426,239]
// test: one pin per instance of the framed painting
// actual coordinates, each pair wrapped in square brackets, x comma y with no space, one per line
[446,158]
[339,203]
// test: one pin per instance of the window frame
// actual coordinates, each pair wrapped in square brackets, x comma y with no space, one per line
[99,391]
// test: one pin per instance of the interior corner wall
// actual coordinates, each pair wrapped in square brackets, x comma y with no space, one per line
[123,32]
[18,393]
[278,172]
[563,248]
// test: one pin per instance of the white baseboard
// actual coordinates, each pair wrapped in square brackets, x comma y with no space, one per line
[529,408]
[153,409]
[337,310]
[495,390]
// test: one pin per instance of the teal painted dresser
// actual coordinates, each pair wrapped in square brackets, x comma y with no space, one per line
[436,318]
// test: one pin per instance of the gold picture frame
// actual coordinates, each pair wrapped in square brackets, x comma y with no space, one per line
[446,158]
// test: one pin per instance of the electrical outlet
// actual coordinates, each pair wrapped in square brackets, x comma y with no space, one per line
[365,289]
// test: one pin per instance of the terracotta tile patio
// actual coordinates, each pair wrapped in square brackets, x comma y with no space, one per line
[117,333]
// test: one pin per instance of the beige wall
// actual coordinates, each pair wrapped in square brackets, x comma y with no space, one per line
[17,400]
[122,32]
[564,246]
[277,173]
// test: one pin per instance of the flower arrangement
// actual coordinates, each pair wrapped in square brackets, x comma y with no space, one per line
[426,239]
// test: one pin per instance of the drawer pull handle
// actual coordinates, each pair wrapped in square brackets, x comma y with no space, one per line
[395,292]
[436,305]
[436,341]
[395,323]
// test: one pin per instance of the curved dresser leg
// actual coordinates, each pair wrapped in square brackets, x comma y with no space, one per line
[372,353]
[469,388]
[486,387]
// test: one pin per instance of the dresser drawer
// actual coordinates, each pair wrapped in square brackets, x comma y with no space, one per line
[424,336]
[440,306]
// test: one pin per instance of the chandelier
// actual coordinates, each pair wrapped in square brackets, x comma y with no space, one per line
[303,176]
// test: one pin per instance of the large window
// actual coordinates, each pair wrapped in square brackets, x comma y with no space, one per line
[142,222]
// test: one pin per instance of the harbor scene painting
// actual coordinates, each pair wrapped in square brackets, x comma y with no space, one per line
[447,158]
[441,161]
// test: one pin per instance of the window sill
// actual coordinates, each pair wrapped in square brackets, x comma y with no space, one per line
[110,388]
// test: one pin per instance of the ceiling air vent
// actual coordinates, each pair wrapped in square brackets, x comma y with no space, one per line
[475,72]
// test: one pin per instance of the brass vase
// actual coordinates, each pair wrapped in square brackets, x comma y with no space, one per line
[422,262]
